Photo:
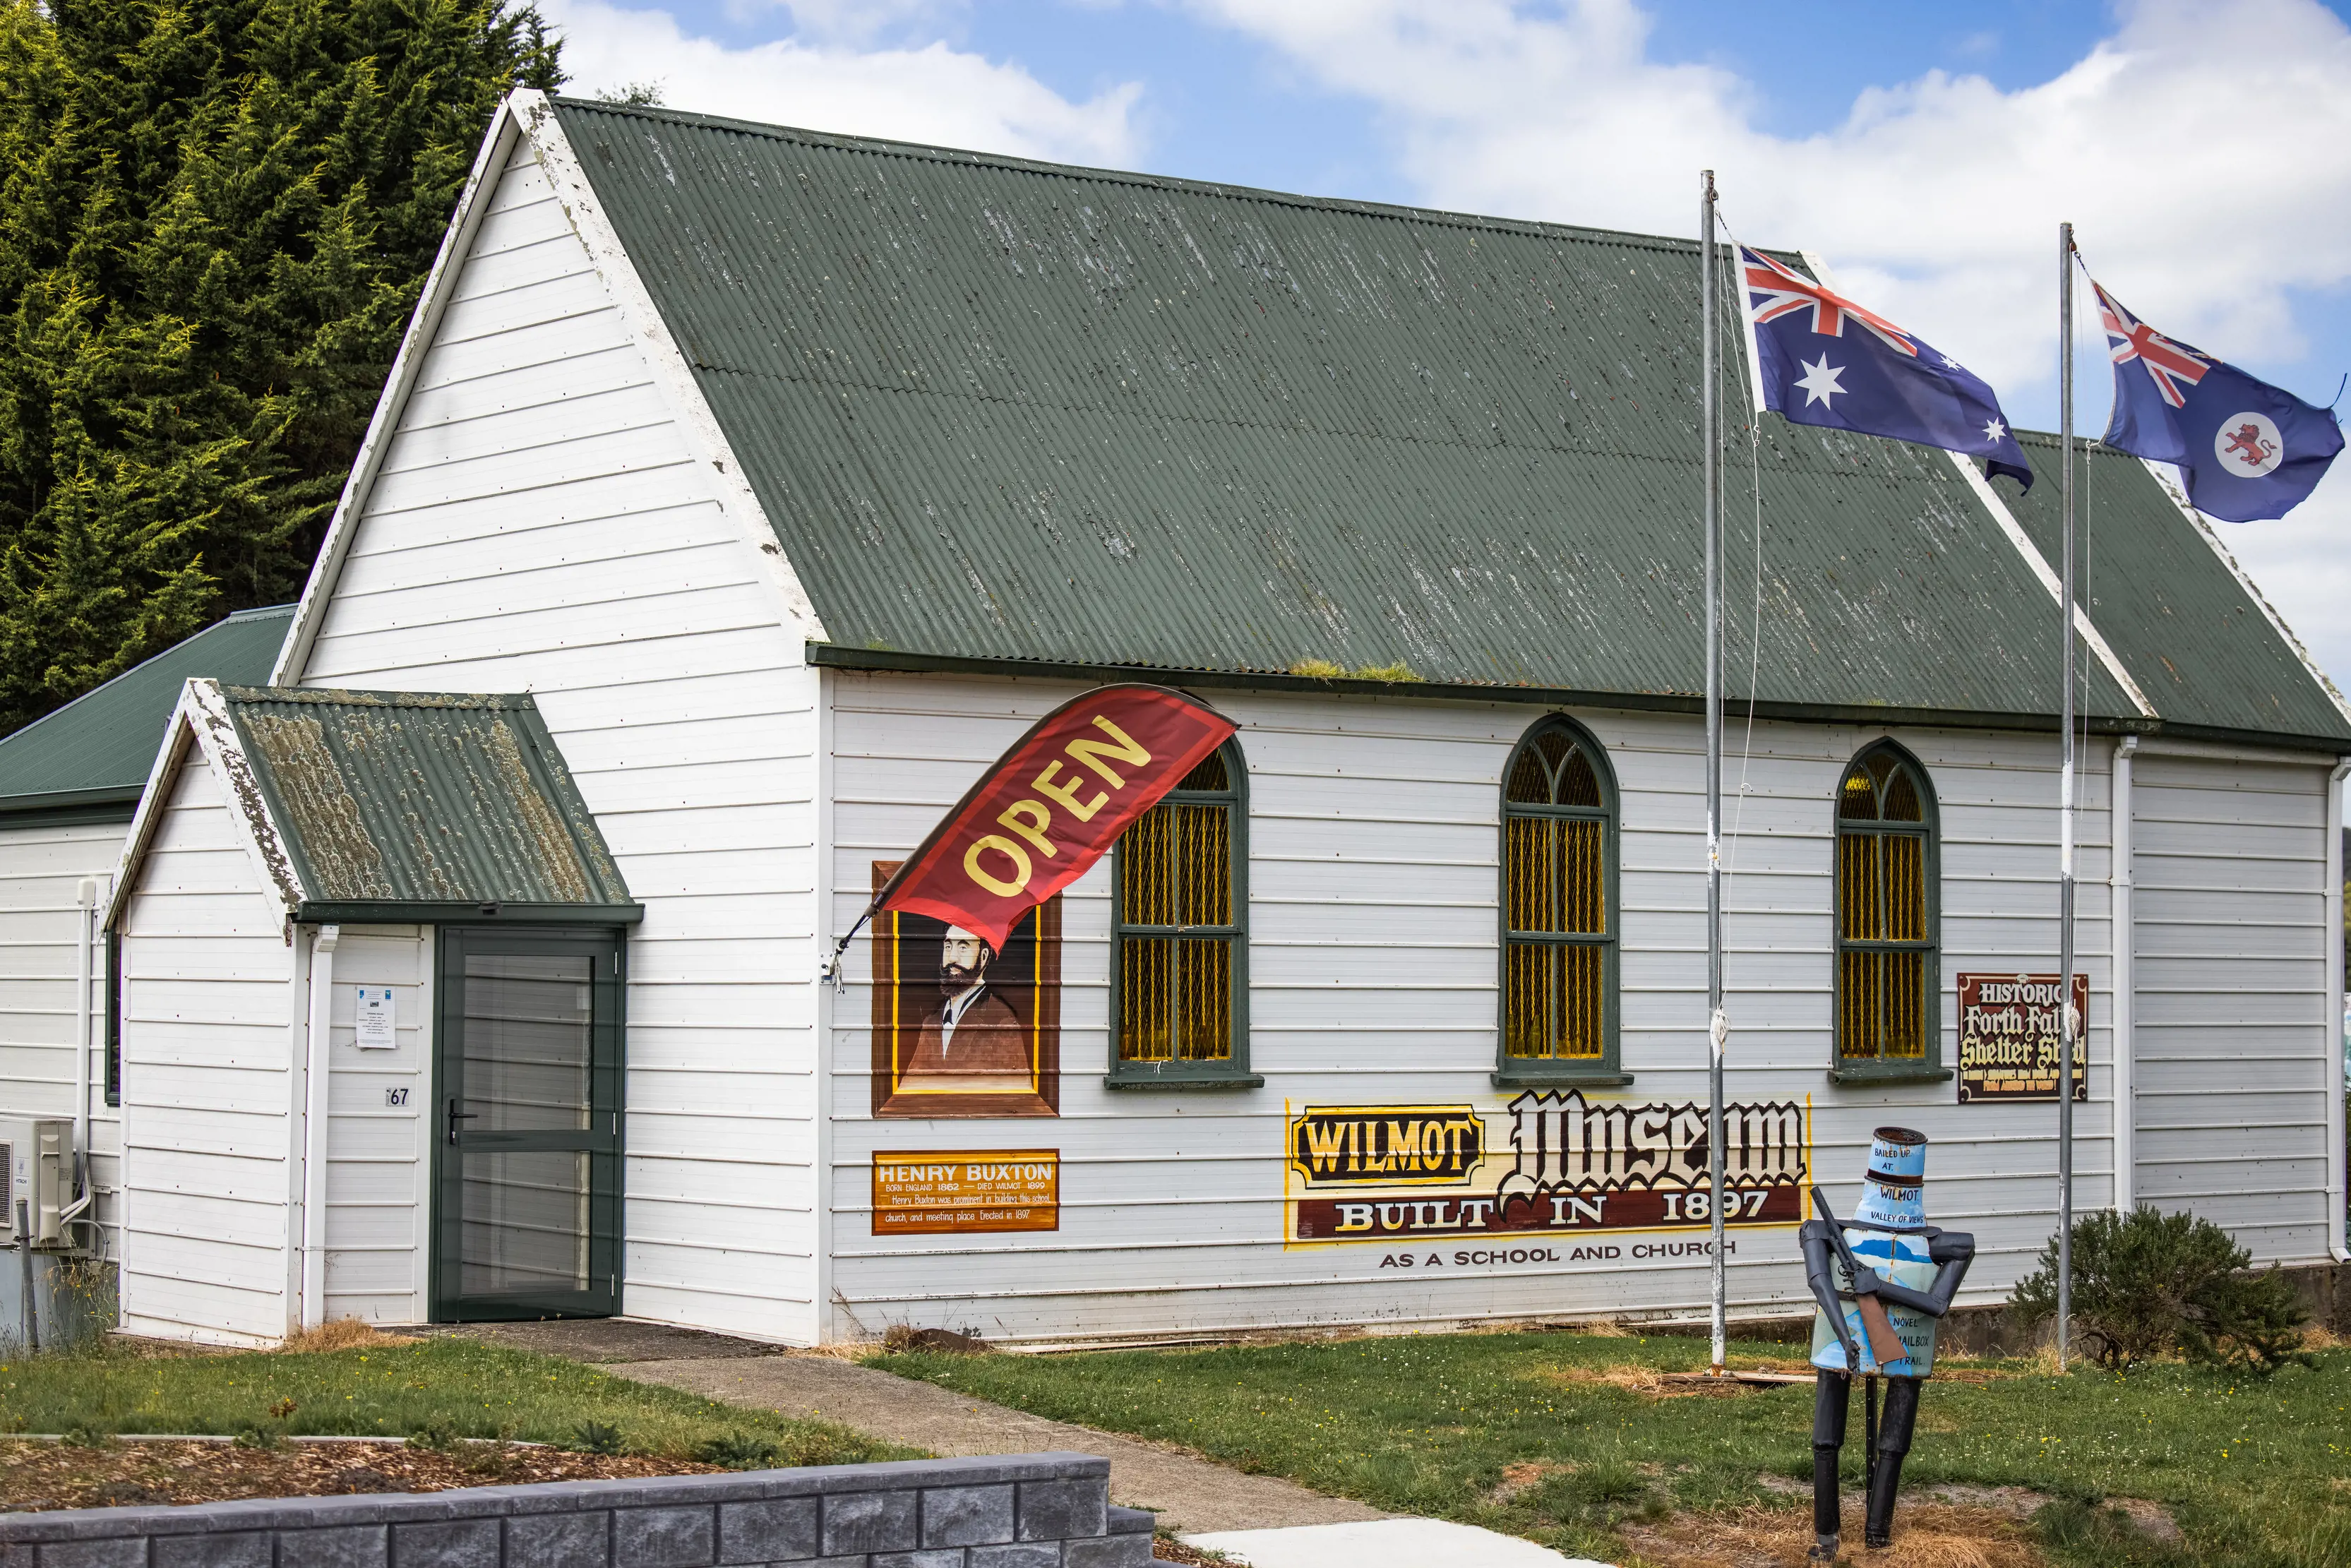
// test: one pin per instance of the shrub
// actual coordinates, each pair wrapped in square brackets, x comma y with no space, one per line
[738,1451]
[598,1437]
[2147,1282]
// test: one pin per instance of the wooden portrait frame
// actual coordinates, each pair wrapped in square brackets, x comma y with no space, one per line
[1026,978]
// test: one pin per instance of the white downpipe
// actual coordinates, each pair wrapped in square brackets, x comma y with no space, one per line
[314,1126]
[2334,1172]
[2126,992]
[83,972]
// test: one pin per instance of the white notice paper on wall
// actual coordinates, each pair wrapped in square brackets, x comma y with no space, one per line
[377,1018]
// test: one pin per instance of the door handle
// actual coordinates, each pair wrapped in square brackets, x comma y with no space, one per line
[456,1116]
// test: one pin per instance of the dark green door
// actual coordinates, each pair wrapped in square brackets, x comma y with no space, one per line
[527,1220]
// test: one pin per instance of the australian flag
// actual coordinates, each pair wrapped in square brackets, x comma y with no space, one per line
[1876,379]
[2249,449]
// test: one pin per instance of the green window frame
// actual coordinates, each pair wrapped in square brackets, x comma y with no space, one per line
[113,990]
[1179,935]
[1558,911]
[1888,921]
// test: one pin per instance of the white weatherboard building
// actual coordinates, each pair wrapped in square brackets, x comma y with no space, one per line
[740,494]
[69,784]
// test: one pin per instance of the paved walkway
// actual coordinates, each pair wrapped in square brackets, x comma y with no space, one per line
[1188,1493]
[1382,1542]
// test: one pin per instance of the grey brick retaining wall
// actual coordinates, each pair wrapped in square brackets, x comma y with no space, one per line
[1027,1510]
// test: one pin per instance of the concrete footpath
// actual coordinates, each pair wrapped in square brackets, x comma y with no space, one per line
[1259,1521]
[1188,1493]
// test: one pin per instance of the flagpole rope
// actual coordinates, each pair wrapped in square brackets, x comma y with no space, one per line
[1755,488]
[2089,521]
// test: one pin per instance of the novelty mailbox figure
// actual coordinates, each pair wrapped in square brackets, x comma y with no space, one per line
[1882,1283]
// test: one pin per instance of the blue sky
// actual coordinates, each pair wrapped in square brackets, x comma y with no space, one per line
[2204,146]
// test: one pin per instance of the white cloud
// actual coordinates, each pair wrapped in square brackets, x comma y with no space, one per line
[933,94]
[2202,150]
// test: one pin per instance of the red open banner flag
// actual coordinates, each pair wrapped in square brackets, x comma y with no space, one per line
[1052,806]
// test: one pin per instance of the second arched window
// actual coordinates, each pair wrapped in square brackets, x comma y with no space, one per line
[1559,909]
[1887,979]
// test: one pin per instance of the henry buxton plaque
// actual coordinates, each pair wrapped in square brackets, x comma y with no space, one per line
[2009,1026]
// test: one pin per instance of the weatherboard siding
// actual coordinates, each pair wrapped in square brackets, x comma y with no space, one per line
[209,1011]
[42,925]
[1374,828]
[2235,1030]
[379,1156]
[539,523]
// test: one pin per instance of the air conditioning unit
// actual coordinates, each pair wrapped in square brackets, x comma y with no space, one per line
[37,1166]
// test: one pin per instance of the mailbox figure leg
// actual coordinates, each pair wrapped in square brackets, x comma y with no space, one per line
[1892,1443]
[1832,1393]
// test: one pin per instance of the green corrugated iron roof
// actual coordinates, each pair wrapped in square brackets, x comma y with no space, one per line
[2191,637]
[93,754]
[1007,411]
[393,803]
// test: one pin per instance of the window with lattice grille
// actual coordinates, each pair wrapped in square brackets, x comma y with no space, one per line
[1888,973]
[1559,909]
[1179,941]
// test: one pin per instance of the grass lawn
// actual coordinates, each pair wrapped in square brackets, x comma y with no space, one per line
[1552,1436]
[444,1388]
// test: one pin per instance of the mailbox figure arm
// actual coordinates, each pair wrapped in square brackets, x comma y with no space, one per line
[1818,1239]
[1951,1251]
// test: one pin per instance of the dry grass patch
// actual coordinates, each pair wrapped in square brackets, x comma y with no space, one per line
[1525,1475]
[343,1333]
[1926,1535]
[1653,1383]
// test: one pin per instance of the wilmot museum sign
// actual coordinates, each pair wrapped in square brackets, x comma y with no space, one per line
[1563,1163]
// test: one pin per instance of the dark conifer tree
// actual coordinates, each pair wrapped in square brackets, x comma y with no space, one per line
[215,216]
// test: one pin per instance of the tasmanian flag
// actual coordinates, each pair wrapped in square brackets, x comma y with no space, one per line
[1825,360]
[2249,450]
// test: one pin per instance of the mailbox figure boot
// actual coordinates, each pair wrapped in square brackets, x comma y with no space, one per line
[1832,1395]
[1893,1444]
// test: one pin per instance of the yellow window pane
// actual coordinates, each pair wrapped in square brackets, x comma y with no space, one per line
[1578,784]
[1146,986]
[1530,1000]
[1208,773]
[1905,889]
[1529,781]
[1204,1000]
[1882,1005]
[1901,795]
[1857,797]
[1583,878]
[1552,1001]
[1580,1035]
[1531,852]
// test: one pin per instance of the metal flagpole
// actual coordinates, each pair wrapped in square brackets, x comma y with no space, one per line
[1710,435]
[2065,802]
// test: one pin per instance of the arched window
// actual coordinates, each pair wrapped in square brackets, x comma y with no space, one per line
[1558,910]
[1179,933]
[1888,911]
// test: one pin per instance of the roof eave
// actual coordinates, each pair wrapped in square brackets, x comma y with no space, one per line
[832,656]
[459,912]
